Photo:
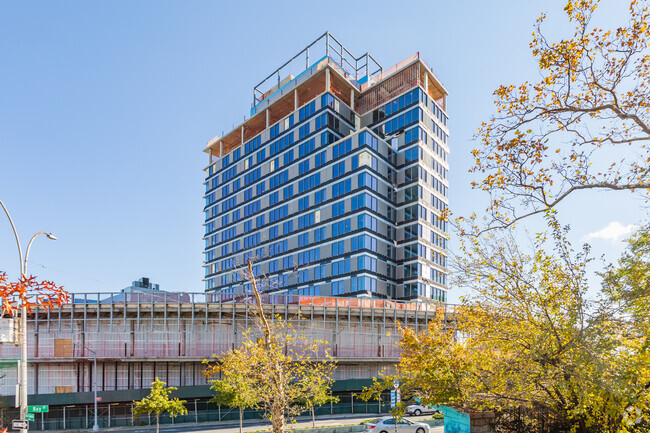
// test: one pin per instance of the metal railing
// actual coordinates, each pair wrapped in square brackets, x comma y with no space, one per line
[325,46]
[267,299]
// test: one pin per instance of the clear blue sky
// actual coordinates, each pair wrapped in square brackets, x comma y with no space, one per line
[105,108]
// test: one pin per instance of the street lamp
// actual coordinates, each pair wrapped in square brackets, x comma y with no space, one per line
[95,426]
[22,380]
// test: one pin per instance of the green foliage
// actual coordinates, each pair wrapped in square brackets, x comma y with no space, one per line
[398,411]
[277,372]
[627,288]
[316,386]
[235,387]
[274,369]
[629,283]
[527,336]
[158,402]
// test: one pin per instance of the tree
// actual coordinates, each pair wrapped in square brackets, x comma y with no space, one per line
[158,402]
[629,283]
[316,388]
[236,386]
[276,361]
[529,337]
[31,293]
[627,286]
[584,125]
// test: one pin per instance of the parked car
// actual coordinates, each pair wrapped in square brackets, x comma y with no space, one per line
[419,409]
[387,425]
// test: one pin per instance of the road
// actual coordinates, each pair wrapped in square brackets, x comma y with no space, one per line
[249,427]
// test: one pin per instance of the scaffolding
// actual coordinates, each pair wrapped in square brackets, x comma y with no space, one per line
[139,336]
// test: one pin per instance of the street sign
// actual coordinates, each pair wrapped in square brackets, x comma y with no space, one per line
[38,409]
[19,424]
[392,399]
[396,383]
[30,417]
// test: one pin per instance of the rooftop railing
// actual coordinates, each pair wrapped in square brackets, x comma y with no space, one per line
[267,299]
[360,69]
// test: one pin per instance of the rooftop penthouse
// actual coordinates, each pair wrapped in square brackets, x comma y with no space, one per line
[360,82]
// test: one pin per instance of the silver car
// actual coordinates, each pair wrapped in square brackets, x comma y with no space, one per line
[387,425]
[419,409]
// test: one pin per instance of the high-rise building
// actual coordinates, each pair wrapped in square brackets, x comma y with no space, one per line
[335,184]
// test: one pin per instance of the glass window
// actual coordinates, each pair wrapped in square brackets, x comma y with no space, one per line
[320,196]
[338,209]
[287,193]
[303,167]
[303,203]
[288,157]
[320,159]
[304,131]
[338,169]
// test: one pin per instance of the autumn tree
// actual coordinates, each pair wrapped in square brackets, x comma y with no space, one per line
[236,386]
[628,283]
[317,388]
[584,125]
[158,402]
[31,293]
[28,292]
[627,287]
[527,336]
[277,360]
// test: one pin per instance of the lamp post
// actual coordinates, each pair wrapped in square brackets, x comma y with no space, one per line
[95,425]
[22,380]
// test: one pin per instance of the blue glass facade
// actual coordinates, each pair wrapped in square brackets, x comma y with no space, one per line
[336,198]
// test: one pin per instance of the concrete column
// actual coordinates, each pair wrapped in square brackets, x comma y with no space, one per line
[268,116]
[327,79]
[220,149]
[242,135]
[295,100]
[426,82]
[352,98]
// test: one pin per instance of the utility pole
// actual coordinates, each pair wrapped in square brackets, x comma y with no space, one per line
[22,379]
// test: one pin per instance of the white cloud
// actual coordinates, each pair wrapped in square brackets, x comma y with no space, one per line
[614,231]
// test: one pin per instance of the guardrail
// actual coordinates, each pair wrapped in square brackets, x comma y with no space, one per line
[267,299]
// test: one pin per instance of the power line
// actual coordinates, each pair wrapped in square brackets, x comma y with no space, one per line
[69,273]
